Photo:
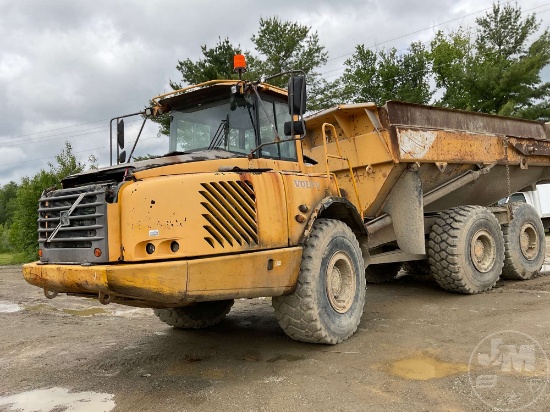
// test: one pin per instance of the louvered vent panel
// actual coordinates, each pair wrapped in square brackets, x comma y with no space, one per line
[229,211]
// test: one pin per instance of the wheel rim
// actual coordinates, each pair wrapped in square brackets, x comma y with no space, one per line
[529,241]
[340,282]
[483,251]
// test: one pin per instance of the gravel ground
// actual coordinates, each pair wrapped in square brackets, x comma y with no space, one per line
[412,351]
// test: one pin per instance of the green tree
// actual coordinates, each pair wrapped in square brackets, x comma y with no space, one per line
[23,231]
[5,245]
[450,56]
[323,94]
[67,164]
[284,46]
[23,235]
[281,46]
[497,68]
[360,78]
[7,193]
[386,75]
[217,63]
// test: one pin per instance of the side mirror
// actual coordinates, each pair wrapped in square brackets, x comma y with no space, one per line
[120,133]
[122,157]
[294,128]
[297,95]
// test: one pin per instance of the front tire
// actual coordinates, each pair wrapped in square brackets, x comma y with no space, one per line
[466,249]
[524,243]
[197,316]
[327,305]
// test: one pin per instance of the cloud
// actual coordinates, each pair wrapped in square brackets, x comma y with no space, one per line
[66,63]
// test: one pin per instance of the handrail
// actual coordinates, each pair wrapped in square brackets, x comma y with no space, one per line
[327,156]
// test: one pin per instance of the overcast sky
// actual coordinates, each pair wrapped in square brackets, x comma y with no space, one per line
[68,66]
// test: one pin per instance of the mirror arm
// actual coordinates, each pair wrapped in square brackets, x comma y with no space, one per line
[137,139]
[283,74]
[111,133]
[251,154]
[111,141]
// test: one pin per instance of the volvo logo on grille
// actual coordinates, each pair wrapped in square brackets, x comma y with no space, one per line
[64,219]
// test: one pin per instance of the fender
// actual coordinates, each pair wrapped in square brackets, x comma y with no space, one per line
[338,208]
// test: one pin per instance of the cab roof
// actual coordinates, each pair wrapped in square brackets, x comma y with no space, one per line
[207,92]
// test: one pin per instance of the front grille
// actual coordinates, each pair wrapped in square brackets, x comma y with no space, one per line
[230,214]
[82,228]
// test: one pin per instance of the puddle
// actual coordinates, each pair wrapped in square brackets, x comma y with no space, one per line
[214,374]
[85,312]
[133,313]
[8,307]
[422,368]
[58,399]
[286,357]
[42,307]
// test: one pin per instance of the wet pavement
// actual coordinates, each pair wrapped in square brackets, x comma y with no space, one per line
[416,349]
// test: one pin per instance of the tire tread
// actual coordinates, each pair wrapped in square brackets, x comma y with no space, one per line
[298,313]
[443,249]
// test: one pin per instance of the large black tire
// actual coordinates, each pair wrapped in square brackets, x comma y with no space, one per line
[419,270]
[327,305]
[197,316]
[382,273]
[466,249]
[524,243]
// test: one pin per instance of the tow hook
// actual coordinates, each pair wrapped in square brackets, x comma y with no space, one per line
[105,298]
[50,294]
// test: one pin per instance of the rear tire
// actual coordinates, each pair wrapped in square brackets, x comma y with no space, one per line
[466,250]
[524,243]
[327,305]
[197,316]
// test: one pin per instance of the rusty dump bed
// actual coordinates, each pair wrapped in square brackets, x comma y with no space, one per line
[440,145]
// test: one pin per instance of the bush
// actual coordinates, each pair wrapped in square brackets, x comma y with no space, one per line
[23,231]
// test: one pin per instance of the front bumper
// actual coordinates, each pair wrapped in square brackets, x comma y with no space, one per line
[177,282]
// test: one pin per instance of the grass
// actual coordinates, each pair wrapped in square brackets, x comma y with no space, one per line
[12,258]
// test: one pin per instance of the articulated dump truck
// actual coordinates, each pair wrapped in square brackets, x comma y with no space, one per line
[254,199]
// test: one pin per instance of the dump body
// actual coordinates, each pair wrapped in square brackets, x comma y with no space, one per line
[409,160]
[445,143]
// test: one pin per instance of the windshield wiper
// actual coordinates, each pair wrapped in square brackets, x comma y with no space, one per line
[221,133]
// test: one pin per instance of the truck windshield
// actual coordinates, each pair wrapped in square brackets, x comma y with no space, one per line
[234,124]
